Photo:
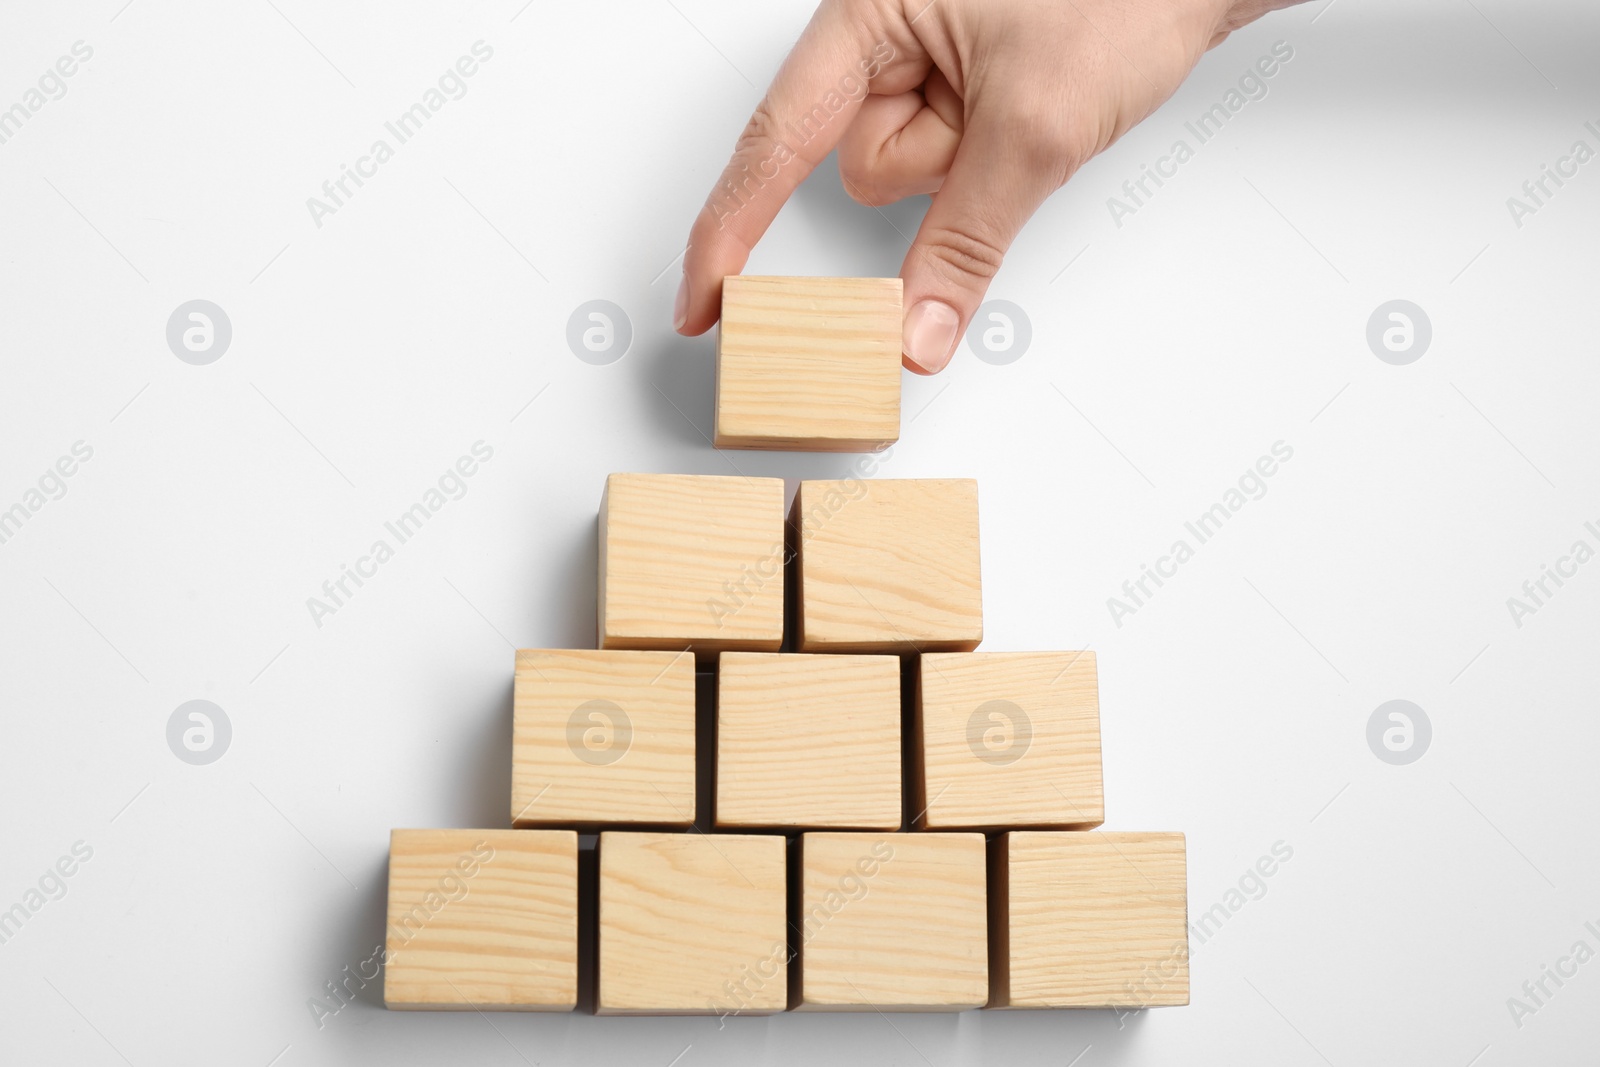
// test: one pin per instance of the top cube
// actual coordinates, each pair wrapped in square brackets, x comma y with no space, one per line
[809,364]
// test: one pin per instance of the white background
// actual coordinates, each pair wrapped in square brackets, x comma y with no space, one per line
[368,354]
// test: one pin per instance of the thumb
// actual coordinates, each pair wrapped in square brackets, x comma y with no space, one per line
[999,177]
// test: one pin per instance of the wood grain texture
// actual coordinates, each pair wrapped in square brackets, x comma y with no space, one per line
[1005,740]
[603,738]
[483,919]
[692,924]
[808,741]
[1088,920]
[891,922]
[808,364]
[887,565]
[691,562]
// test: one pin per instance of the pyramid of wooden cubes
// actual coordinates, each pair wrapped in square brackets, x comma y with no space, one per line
[808,789]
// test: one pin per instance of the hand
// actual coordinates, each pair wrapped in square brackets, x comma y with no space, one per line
[990,105]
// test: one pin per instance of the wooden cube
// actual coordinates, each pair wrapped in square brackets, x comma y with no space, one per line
[1088,920]
[808,741]
[891,922]
[692,924]
[887,565]
[484,919]
[1007,740]
[691,562]
[809,364]
[603,737]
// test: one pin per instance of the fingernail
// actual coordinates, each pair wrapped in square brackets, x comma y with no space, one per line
[929,335]
[680,307]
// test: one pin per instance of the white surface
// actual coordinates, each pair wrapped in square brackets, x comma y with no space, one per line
[219,899]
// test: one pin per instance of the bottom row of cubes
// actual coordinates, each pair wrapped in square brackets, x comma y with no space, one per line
[731,924]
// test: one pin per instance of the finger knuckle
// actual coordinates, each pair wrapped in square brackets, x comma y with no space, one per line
[1047,140]
[965,257]
[760,134]
[859,176]
[864,192]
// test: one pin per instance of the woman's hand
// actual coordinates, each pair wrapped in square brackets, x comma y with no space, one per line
[990,105]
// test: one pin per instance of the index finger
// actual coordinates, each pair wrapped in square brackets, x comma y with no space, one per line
[814,97]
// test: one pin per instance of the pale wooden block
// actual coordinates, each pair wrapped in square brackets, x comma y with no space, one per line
[887,565]
[691,562]
[891,922]
[1007,740]
[1088,920]
[692,924]
[603,738]
[808,741]
[482,919]
[809,364]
